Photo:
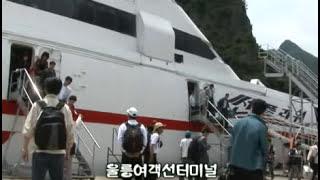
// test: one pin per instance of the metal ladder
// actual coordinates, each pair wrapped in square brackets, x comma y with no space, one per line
[275,124]
[25,95]
[84,135]
[23,98]
[285,64]
[111,151]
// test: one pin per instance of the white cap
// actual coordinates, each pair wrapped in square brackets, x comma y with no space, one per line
[132,111]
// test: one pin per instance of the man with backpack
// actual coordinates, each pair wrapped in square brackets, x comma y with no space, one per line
[132,137]
[50,124]
[198,148]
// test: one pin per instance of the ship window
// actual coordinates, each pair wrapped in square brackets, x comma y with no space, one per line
[192,44]
[88,11]
[106,18]
[85,11]
[127,23]
[178,58]
[61,7]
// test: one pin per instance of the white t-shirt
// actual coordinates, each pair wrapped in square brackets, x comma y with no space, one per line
[313,152]
[64,93]
[184,145]
[192,100]
[155,139]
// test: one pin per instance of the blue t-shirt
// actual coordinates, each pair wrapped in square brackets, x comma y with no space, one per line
[249,143]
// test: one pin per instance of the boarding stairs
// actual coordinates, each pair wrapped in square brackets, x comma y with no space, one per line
[113,154]
[25,94]
[222,125]
[286,65]
[275,125]
[307,135]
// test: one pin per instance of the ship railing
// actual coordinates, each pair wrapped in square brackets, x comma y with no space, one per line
[111,151]
[225,121]
[295,69]
[300,65]
[304,133]
[301,72]
[26,94]
[24,85]
[85,139]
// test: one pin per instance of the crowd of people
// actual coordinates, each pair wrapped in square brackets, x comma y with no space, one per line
[251,151]
[51,122]
[203,101]
[140,145]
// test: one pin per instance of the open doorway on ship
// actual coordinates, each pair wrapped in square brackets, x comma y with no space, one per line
[193,98]
[20,57]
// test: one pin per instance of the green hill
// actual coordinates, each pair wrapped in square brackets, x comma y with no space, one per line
[226,25]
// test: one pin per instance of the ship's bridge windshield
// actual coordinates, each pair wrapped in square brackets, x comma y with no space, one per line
[192,44]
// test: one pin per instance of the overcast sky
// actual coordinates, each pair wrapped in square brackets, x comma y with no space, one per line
[274,21]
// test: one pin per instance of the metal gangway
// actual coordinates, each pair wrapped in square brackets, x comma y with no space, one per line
[25,94]
[222,125]
[286,65]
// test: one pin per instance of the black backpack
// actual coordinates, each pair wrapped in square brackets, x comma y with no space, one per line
[133,138]
[50,131]
[193,150]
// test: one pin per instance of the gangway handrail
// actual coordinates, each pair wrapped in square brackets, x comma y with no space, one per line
[224,118]
[31,81]
[300,62]
[25,91]
[291,123]
[95,143]
[299,65]
[110,151]
[112,154]
[114,132]
[88,132]
[293,68]
[85,144]
[270,50]
[219,123]
[285,139]
[23,73]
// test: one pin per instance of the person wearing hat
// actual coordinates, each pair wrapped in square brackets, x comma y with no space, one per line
[155,144]
[132,137]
